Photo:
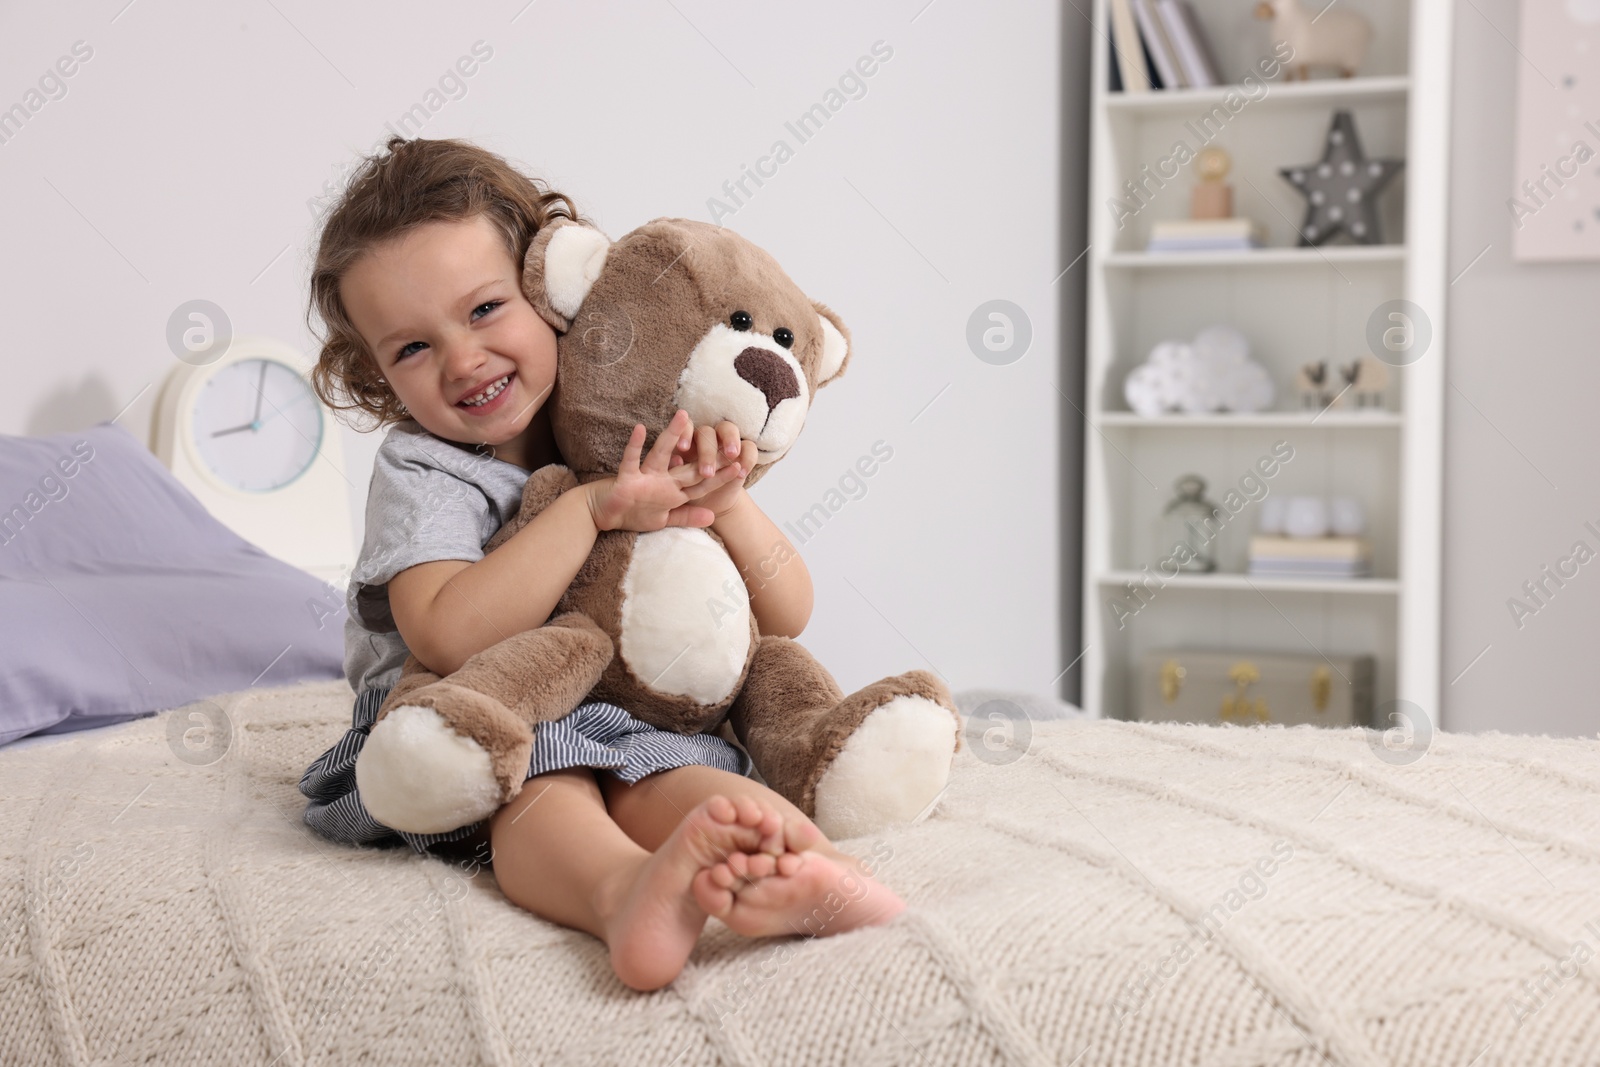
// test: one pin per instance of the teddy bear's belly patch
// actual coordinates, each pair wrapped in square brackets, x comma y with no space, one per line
[685,615]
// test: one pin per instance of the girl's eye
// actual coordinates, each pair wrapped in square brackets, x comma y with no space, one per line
[491,305]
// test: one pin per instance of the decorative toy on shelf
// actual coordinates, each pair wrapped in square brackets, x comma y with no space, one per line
[1212,198]
[1315,386]
[1214,372]
[1340,190]
[1363,382]
[1210,226]
[1322,37]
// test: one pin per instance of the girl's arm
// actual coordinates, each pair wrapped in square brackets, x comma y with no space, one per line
[779,584]
[773,572]
[450,610]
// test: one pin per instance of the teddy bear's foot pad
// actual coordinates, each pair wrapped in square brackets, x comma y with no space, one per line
[891,769]
[416,774]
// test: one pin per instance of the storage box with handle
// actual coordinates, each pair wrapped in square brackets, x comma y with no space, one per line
[1209,686]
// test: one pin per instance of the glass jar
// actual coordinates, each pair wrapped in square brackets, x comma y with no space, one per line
[1188,529]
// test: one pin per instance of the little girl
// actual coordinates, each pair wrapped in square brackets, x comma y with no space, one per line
[417,281]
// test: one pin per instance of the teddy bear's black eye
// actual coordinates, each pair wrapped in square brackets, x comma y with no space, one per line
[740,320]
[784,336]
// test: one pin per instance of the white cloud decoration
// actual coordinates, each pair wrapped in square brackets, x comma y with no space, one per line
[1214,372]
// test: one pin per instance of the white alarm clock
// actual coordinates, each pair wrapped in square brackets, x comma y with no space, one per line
[248,436]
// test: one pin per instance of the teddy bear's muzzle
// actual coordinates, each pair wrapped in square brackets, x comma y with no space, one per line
[769,373]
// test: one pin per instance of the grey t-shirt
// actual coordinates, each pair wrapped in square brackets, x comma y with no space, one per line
[428,499]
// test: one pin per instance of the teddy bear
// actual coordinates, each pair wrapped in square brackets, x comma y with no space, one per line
[675,314]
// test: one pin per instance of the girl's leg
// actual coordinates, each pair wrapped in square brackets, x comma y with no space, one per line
[820,891]
[558,853]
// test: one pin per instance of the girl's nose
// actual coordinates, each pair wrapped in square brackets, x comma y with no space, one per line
[463,360]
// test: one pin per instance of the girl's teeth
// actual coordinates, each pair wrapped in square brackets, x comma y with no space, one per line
[488,394]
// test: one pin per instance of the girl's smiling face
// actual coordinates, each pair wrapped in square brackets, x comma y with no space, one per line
[442,311]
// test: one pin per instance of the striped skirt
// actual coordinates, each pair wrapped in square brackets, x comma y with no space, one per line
[594,734]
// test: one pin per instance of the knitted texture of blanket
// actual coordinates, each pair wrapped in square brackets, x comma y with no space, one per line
[1085,892]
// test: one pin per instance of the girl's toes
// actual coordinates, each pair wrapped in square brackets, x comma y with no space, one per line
[772,836]
[713,899]
[747,867]
[772,824]
[750,812]
[790,862]
[724,876]
[722,809]
[801,834]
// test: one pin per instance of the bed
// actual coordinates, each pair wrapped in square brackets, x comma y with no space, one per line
[1084,892]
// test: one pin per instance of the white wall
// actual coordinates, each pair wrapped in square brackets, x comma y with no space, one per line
[1521,426]
[180,161]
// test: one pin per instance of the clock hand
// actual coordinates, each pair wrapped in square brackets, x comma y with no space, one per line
[257,416]
[276,410]
[234,429]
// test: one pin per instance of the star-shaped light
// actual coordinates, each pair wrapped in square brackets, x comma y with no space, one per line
[1340,190]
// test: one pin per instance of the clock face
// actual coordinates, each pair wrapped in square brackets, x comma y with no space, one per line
[257,425]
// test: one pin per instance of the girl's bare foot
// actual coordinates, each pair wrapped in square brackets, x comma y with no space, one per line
[804,891]
[651,916]
[714,887]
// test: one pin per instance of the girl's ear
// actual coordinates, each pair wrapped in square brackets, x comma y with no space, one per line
[835,345]
[563,261]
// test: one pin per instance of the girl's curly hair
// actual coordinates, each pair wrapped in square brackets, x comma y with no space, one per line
[411,183]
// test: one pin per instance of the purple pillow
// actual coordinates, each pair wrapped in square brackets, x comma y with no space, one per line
[123,596]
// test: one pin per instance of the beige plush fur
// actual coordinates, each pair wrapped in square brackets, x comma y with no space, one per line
[659,623]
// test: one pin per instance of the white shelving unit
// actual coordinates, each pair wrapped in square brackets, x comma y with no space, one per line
[1323,258]
[1296,305]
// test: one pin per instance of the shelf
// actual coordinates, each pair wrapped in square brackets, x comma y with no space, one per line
[1295,303]
[1328,91]
[1336,256]
[1234,582]
[1263,420]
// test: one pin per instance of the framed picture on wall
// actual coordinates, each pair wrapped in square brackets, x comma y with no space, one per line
[1554,205]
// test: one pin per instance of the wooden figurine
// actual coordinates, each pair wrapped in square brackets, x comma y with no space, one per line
[1315,386]
[1366,379]
[1212,198]
[1320,37]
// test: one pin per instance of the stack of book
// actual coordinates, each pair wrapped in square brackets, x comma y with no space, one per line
[1204,235]
[1310,557]
[1158,44]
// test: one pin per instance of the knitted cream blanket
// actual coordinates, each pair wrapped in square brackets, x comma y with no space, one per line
[1098,893]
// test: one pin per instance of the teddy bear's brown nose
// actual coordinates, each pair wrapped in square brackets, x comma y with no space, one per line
[768,373]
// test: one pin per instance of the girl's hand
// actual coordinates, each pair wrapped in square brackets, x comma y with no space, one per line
[652,495]
[719,445]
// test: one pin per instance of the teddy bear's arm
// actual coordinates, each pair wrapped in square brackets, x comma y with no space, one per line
[544,486]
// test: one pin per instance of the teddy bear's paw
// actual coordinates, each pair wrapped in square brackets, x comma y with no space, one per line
[416,774]
[890,771]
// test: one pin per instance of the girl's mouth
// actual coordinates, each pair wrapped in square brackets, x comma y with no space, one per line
[490,398]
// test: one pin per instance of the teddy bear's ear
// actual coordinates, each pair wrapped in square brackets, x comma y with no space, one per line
[835,345]
[563,261]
